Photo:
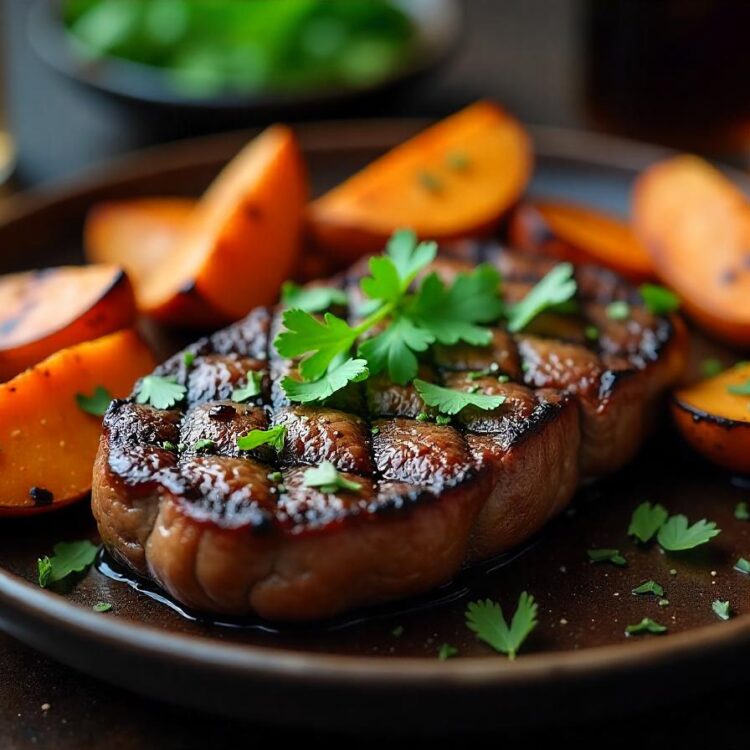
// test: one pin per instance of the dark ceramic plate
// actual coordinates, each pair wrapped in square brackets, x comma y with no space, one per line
[437,23]
[380,668]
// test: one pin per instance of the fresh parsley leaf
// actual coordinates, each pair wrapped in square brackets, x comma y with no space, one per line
[273,436]
[487,621]
[384,282]
[658,299]
[676,535]
[618,310]
[188,358]
[647,519]
[161,393]
[741,511]
[649,587]
[742,566]
[607,555]
[393,350]
[203,445]
[452,314]
[97,403]
[446,651]
[328,480]
[711,367]
[722,609]
[450,401]
[250,389]
[349,371]
[556,287]
[102,607]
[646,625]
[743,389]
[408,256]
[591,333]
[168,445]
[321,341]
[311,299]
[68,558]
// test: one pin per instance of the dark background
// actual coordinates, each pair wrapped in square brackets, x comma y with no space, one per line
[528,54]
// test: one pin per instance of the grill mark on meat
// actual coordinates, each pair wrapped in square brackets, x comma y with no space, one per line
[478,472]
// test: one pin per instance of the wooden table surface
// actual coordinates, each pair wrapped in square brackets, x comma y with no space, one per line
[525,53]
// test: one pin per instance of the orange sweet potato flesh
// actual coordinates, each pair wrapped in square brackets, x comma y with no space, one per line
[456,179]
[715,421]
[696,226]
[243,238]
[580,235]
[48,444]
[44,311]
[140,235]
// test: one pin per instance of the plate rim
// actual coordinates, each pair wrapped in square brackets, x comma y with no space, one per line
[307,667]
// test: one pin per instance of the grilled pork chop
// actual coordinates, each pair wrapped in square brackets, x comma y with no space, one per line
[222,532]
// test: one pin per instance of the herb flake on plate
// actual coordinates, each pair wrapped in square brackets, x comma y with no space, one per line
[485,619]
[646,625]
[647,519]
[607,555]
[67,558]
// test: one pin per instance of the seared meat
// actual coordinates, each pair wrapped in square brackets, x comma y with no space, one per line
[234,531]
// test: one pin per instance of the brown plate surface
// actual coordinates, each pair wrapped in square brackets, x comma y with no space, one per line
[380,667]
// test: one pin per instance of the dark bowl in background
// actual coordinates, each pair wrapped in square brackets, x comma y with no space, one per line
[438,24]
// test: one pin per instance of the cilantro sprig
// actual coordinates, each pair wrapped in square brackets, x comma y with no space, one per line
[273,436]
[485,618]
[556,288]
[251,388]
[399,324]
[676,535]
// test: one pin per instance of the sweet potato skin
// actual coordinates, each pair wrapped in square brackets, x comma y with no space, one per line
[421,184]
[40,311]
[714,421]
[47,443]
[243,237]
[695,225]
[580,235]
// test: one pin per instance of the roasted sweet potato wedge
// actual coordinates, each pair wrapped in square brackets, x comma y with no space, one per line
[714,417]
[696,226]
[44,311]
[580,235]
[47,442]
[242,239]
[455,179]
[141,235]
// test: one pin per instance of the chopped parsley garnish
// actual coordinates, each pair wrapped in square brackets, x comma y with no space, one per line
[607,555]
[188,358]
[647,519]
[311,299]
[275,476]
[485,618]
[203,445]
[742,511]
[423,416]
[646,625]
[457,160]
[591,333]
[722,609]
[328,480]
[273,436]
[658,299]
[711,367]
[742,566]
[97,403]
[250,389]
[161,393]
[446,651]
[374,430]
[743,389]
[398,631]
[618,310]
[414,320]
[451,401]
[649,587]
[168,445]
[429,181]
[102,607]
[490,371]
[442,421]
[556,288]
[68,558]
[676,535]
